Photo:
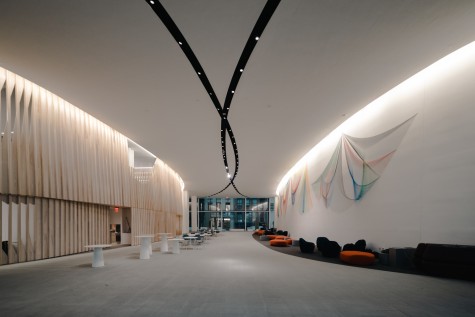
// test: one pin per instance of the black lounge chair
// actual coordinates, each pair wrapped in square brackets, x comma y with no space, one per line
[305,246]
[329,249]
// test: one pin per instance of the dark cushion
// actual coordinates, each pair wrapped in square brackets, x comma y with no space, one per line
[331,249]
[306,246]
[360,245]
[349,247]
[321,241]
[328,248]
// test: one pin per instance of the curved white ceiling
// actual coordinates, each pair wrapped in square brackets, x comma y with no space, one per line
[316,63]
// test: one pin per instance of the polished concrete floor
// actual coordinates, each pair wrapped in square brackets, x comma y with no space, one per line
[232,275]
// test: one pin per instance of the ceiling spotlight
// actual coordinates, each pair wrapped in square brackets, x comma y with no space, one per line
[180,43]
[199,73]
[229,175]
[241,70]
[257,38]
[232,91]
[152,2]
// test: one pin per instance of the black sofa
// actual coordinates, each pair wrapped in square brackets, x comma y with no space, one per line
[446,260]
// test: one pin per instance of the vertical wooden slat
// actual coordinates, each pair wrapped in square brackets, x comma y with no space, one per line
[56,227]
[63,150]
[74,228]
[71,168]
[31,225]
[64,237]
[19,156]
[85,226]
[2,132]
[90,222]
[36,140]
[39,228]
[44,146]
[94,226]
[53,163]
[26,148]
[67,235]
[22,228]
[80,223]
[9,226]
[51,227]
[10,185]
[81,238]
[45,228]
[2,257]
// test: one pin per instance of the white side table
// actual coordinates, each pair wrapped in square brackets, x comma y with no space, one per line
[163,242]
[192,239]
[175,245]
[98,255]
[145,246]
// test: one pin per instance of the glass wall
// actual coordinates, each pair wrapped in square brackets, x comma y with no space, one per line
[235,213]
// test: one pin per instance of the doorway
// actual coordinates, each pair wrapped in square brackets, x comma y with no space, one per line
[226,223]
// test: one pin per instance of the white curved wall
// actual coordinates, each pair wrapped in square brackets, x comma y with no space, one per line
[427,191]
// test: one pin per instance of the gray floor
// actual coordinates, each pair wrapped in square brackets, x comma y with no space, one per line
[232,275]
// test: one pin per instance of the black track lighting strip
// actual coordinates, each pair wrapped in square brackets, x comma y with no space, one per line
[258,29]
[256,33]
[180,39]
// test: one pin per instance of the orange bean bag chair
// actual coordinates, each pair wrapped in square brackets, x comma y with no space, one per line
[357,257]
[279,243]
[260,232]
[276,236]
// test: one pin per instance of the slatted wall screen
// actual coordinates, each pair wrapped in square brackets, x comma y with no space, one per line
[61,169]
[152,222]
[40,228]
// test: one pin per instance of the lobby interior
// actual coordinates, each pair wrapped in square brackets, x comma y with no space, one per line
[344,119]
